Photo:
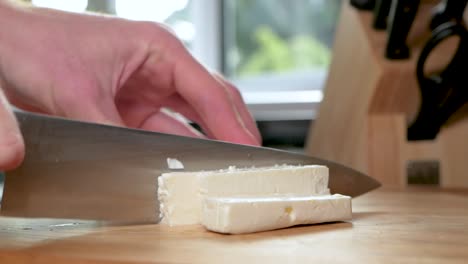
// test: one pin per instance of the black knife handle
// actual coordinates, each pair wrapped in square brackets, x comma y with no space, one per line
[381,10]
[454,71]
[444,93]
[363,4]
[402,14]
[448,10]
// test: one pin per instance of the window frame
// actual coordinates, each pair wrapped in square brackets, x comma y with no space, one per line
[304,88]
[265,95]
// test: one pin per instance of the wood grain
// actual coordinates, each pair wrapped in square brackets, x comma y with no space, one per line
[385,148]
[369,102]
[341,125]
[388,226]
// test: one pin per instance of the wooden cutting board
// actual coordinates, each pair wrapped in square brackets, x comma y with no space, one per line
[389,226]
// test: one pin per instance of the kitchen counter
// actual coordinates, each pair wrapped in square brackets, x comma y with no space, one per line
[388,226]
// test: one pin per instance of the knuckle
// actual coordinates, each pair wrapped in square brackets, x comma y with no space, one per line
[160,33]
[236,91]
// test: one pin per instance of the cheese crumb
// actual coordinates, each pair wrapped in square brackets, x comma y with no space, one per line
[174,164]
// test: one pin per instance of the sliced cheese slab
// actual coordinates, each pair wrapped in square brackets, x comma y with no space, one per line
[180,193]
[254,214]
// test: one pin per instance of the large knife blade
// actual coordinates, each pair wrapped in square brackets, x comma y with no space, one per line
[91,171]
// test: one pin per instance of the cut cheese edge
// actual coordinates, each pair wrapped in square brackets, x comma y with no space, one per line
[181,193]
[238,215]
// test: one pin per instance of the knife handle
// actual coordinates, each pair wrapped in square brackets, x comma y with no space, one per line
[363,4]
[402,14]
[381,10]
[442,93]
[448,10]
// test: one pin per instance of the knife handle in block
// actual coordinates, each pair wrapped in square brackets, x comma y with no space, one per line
[402,14]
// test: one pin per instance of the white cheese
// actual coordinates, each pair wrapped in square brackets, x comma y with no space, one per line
[254,214]
[180,193]
[174,164]
[179,198]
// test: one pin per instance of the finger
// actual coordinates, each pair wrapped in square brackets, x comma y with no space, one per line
[211,101]
[178,104]
[143,115]
[166,122]
[240,106]
[11,142]
[12,98]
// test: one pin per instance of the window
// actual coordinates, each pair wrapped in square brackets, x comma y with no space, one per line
[71,6]
[278,37]
[277,52]
[175,13]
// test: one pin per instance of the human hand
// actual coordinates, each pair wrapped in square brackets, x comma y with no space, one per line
[109,70]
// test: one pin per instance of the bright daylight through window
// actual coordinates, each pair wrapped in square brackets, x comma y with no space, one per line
[277,52]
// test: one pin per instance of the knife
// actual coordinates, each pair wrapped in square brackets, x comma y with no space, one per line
[446,11]
[381,10]
[442,93]
[80,170]
[363,4]
[401,17]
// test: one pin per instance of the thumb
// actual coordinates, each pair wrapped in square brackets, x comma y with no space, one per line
[11,142]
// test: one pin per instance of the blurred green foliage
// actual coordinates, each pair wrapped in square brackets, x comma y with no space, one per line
[264,36]
[275,54]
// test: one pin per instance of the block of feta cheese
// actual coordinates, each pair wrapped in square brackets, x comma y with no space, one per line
[238,215]
[180,193]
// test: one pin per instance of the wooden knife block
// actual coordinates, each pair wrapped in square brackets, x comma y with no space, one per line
[369,100]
